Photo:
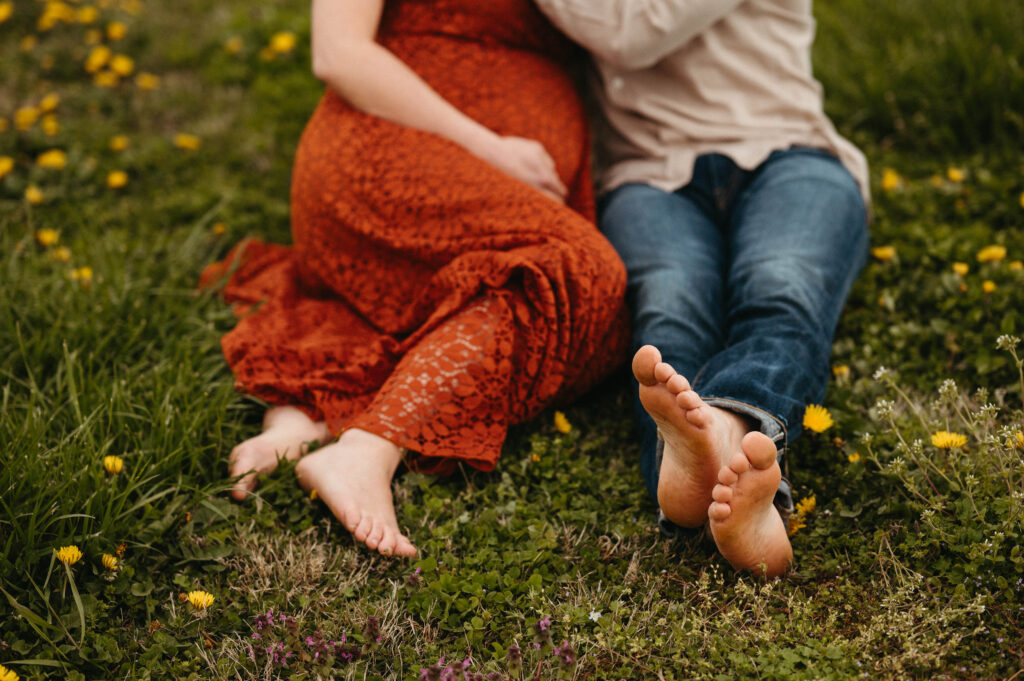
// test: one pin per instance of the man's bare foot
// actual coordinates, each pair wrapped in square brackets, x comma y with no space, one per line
[287,432]
[353,477]
[699,438]
[746,526]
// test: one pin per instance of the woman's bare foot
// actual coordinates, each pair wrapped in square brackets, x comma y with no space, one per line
[699,438]
[353,477]
[287,432]
[746,526]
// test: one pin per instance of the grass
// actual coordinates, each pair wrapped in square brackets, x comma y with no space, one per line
[909,565]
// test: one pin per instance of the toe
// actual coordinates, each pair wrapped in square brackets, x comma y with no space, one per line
[404,547]
[739,463]
[727,476]
[663,372]
[759,450]
[643,364]
[677,384]
[376,534]
[719,511]
[699,417]
[363,528]
[387,543]
[722,493]
[687,399]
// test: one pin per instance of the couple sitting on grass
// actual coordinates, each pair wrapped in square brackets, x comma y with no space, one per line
[447,278]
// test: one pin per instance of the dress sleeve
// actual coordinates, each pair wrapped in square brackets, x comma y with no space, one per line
[634,34]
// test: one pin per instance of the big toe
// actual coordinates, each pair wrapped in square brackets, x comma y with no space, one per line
[644,361]
[759,450]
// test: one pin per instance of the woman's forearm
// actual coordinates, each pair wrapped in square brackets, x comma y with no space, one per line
[372,79]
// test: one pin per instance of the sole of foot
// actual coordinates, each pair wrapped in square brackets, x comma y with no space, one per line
[699,438]
[745,524]
[353,477]
[287,434]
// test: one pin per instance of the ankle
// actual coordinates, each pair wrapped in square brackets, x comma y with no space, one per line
[380,448]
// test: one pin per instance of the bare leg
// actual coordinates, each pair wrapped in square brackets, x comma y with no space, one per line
[353,477]
[287,432]
[746,526]
[699,438]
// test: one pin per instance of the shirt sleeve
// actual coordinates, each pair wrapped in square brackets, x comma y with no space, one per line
[634,34]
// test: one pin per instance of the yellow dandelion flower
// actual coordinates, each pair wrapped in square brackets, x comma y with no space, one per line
[122,65]
[806,505]
[50,125]
[147,81]
[25,117]
[33,195]
[890,179]
[113,464]
[562,424]
[69,555]
[220,228]
[955,174]
[28,43]
[535,457]
[49,102]
[884,252]
[946,440]
[54,159]
[200,600]
[116,30]
[233,45]
[267,53]
[61,254]
[961,268]
[5,673]
[963,288]
[993,253]
[853,458]
[83,275]
[283,41]
[6,166]
[106,79]
[47,237]
[93,37]
[87,14]
[117,179]
[795,524]
[817,418]
[6,10]
[109,561]
[118,143]
[98,58]
[1016,265]
[841,371]
[988,286]
[4,124]
[188,142]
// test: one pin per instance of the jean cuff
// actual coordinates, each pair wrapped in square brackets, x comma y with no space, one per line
[774,428]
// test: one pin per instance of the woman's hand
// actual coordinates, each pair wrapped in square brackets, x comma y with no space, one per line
[526,160]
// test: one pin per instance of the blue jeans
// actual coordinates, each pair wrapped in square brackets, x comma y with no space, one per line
[738,278]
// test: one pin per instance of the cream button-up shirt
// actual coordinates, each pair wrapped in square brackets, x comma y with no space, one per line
[675,79]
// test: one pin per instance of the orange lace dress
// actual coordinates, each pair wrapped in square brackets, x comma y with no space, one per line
[428,297]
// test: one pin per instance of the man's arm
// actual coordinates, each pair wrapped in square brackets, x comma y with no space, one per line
[634,34]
